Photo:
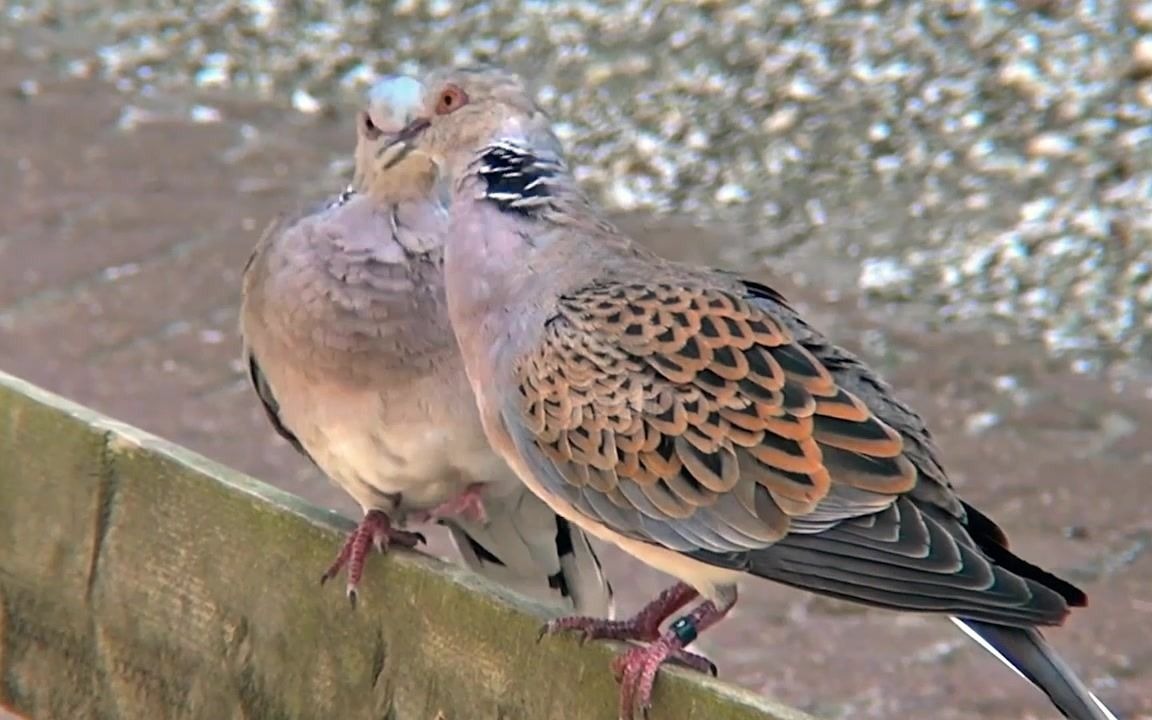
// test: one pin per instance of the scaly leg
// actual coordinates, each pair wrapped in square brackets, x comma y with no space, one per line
[644,626]
[636,668]
[375,530]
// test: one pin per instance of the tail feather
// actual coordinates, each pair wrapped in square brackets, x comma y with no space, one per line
[583,575]
[1026,652]
[527,547]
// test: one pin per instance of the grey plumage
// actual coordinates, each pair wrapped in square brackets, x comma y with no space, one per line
[349,349]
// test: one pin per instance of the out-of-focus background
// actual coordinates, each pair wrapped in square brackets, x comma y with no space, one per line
[959,190]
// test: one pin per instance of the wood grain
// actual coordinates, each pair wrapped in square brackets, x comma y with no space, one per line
[139,580]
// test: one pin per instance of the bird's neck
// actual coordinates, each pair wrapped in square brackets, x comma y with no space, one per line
[509,223]
[488,267]
[391,178]
[519,225]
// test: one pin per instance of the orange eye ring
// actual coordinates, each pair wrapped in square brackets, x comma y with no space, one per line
[452,98]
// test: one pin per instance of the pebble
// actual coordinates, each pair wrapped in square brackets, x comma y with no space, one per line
[1051,145]
[981,422]
[203,114]
[305,102]
[28,88]
[1142,56]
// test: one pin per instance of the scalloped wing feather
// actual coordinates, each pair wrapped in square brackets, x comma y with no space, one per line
[687,416]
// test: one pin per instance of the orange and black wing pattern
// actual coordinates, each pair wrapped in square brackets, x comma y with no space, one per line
[691,417]
[687,416]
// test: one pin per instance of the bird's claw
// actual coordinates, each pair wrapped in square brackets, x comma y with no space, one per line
[636,669]
[590,628]
[374,531]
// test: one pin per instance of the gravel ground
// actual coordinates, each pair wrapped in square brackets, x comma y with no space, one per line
[994,158]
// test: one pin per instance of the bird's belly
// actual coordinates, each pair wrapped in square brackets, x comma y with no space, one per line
[390,448]
[707,579]
[413,464]
[410,467]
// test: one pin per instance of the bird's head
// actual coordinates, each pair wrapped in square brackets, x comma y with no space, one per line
[385,166]
[462,110]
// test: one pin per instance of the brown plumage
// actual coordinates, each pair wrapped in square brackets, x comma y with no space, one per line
[695,419]
[684,394]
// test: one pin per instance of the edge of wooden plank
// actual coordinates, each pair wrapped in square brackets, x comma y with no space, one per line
[181,588]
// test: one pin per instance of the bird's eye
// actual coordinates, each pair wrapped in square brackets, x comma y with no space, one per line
[451,99]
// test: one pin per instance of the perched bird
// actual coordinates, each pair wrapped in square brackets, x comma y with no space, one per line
[695,419]
[348,346]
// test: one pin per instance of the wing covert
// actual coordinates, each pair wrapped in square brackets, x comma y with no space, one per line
[689,417]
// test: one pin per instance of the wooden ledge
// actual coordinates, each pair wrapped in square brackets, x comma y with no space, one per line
[140,580]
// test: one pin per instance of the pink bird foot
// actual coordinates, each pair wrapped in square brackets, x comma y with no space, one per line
[644,626]
[468,504]
[636,668]
[375,530]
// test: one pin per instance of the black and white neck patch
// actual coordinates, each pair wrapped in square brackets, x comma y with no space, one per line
[516,180]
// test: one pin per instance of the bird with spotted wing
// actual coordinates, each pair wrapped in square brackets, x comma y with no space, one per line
[348,346]
[695,419]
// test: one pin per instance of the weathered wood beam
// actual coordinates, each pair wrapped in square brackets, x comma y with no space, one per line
[139,580]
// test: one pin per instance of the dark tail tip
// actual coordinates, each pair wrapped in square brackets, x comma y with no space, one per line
[994,543]
[1025,651]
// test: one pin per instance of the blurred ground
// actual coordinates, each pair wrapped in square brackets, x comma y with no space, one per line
[1012,139]
[122,238]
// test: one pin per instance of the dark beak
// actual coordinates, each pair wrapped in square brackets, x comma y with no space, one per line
[412,130]
[409,132]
